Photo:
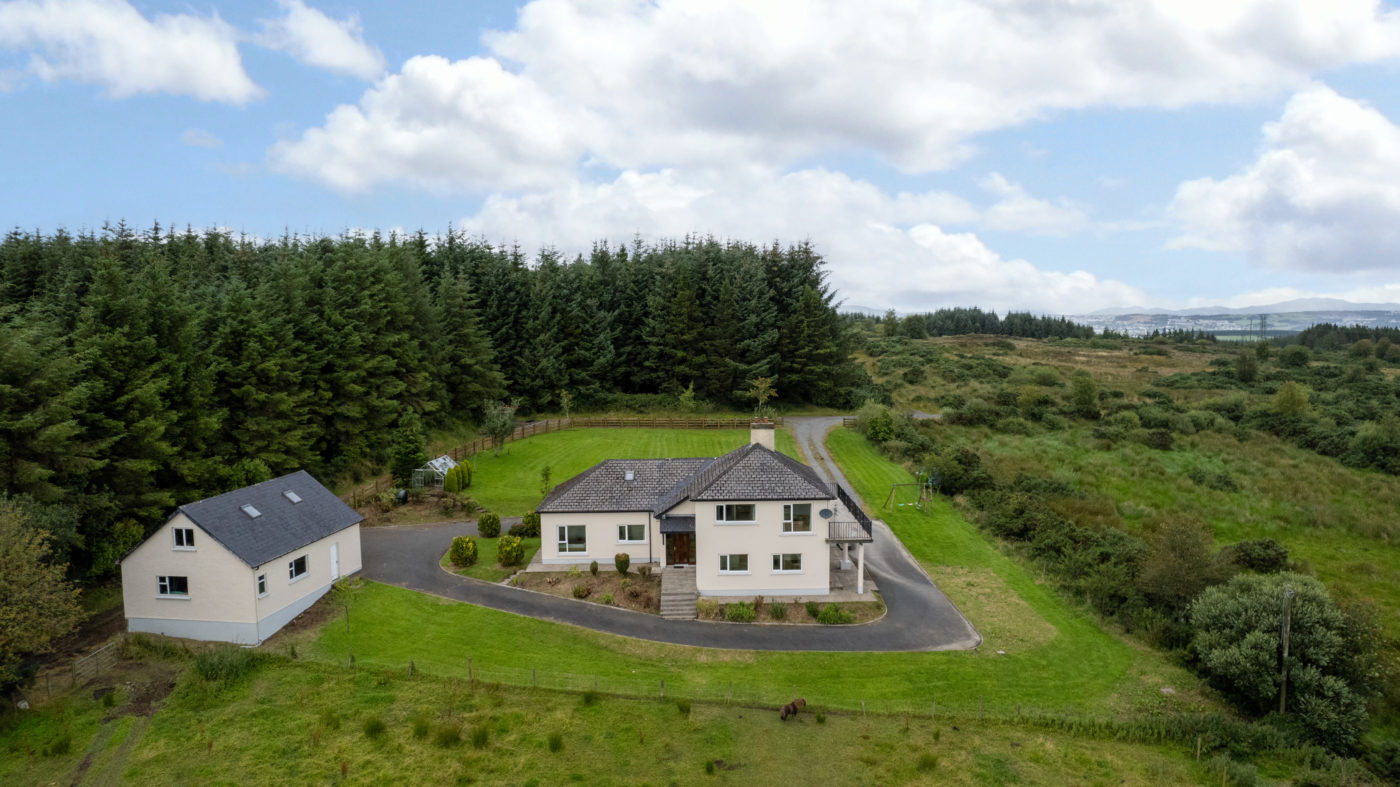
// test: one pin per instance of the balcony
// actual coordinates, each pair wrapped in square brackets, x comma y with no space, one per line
[848,524]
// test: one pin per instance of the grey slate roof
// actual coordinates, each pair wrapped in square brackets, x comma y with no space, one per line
[677,524]
[749,473]
[282,527]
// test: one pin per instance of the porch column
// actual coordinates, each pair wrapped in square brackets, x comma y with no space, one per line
[845,554]
[860,569]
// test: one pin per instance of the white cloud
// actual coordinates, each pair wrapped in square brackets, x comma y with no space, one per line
[1323,195]
[199,138]
[109,43]
[699,82]
[883,249]
[1018,211]
[317,40]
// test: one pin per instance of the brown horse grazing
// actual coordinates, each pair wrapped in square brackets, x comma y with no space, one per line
[792,708]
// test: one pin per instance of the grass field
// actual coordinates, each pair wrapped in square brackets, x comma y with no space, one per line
[509,484]
[488,567]
[292,722]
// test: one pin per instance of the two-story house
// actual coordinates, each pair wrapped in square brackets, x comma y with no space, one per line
[751,522]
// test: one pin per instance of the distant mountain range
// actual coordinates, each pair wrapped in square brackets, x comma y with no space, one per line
[1284,307]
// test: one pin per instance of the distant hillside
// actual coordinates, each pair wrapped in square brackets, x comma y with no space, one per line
[1241,322]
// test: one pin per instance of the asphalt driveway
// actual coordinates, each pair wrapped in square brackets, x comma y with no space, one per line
[919,617]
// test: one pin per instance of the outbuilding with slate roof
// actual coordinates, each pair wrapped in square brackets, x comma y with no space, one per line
[239,566]
[751,522]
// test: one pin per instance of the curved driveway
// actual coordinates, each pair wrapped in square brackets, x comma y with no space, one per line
[919,616]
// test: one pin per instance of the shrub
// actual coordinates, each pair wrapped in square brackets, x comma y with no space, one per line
[621,561]
[710,767]
[531,521]
[447,504]
[447,735]
[814,610]
[1295,355]
[481,735]
[517,530]
[777,610]
[581,590]
[489,525]
[420,727]
[458,478]
[374,727]
[739,612]
[590,697]
[834,615]
[927,761]
[556,742]
[1262,555]
[644,570]
[821,717]
[463,551]
[59,746]
[593,568]
[707,608]
[684,707]
[606,598]
[510,551]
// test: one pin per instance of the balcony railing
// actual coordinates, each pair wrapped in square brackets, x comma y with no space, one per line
[846,530]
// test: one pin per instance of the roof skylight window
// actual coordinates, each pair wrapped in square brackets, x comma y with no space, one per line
[252,513]
[292,496]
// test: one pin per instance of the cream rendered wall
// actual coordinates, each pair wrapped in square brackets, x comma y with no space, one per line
[221,585]
[760,542]
[283,593]
[602,540]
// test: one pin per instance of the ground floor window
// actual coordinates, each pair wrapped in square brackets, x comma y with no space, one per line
[262,585]
[631,534]
[787,563]
[573,538]
[734,564]
[297,568]
[173,586]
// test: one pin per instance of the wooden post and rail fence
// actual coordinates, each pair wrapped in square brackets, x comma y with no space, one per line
[373,487]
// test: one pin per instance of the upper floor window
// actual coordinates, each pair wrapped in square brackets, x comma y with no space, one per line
[797,517]
[736,512]
[184,537]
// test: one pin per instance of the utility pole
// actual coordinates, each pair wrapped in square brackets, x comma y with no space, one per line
[1284,630]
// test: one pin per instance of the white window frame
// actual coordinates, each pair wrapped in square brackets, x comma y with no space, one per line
[292,575]
[788,521]
[727,560]
[185,534]
[261,584]
[778,562]
[562,544]
[163,587]
[622,535]
[722,513]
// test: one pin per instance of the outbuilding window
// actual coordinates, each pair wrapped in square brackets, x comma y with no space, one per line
[297,568]
[184,537]
[173,587]
[262,585]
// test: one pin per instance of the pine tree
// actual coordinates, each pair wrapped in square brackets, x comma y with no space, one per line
[469,372]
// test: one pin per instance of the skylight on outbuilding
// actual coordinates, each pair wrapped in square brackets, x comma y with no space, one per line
[252,513]
[292,496]
[629,475]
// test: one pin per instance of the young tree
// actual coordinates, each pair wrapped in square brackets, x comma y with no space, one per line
[1247,366]
[1084,395]
[409,449]
[761,390]
[37,604]
[497,422]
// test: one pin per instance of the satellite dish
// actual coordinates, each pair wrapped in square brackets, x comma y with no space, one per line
[825,513]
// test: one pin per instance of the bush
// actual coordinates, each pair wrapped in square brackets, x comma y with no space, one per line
[834,615]
[1295,355]
[684,707]
[814,610]
[481,735]
[374,727]
[621,561]
[489,525]
[590,697]
[606,598]
[458,478]
[706,608]
[927,761]
[510,551]
[582,591]
[739,612]
[1262,555]
[593,568]
[644,570]
[777,610]
[463,552]
[556,742]
[531,523]
[447,735]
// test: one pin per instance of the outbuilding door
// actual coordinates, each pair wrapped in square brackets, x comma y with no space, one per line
[680,549]
[335,561]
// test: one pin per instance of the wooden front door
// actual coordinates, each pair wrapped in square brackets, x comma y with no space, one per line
[680,549]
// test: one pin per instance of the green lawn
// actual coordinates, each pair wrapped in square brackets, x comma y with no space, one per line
[509,484]
[487,567]
[298,723]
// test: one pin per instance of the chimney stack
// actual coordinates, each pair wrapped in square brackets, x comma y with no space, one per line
[762,432]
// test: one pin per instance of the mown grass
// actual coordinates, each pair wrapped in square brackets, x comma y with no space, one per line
[488,567]
[300,723]
[509,484]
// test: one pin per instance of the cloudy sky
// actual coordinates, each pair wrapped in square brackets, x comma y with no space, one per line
[1053,155]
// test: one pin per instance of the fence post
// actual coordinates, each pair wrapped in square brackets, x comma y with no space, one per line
[469,669]
[412,668]
[663,688]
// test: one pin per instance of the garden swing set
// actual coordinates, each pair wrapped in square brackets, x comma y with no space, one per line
[916,495]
